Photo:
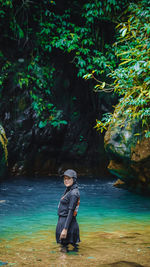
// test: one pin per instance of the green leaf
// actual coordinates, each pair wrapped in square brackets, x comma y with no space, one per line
[124,32]
[42,124]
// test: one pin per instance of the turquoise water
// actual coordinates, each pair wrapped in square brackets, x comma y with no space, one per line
[30,205]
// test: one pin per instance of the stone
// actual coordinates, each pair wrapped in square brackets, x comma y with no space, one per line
[122,264]
[119,183]
[2,201]
[3,152]
[141,151]
[129,154]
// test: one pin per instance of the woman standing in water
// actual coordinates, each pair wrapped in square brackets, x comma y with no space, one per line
[67,230]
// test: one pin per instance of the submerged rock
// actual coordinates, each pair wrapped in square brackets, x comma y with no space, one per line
[122,264]
[2,201]
[2,263]
[129,154]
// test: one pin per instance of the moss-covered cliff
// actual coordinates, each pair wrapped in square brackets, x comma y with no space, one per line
[127,140]
[129,154]
[3,152]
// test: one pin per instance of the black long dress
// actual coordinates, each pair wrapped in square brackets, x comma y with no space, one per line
[67,211]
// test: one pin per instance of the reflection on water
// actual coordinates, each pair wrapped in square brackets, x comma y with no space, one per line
[30,205]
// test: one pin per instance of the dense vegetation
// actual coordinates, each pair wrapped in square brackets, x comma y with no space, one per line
[84,31]
[132,76]
[34,32]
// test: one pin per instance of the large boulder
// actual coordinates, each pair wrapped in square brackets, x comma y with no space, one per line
[129,153]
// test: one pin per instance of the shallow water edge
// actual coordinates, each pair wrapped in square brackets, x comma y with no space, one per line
[97,248]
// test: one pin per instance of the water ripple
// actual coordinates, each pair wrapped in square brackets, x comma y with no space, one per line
[31,204]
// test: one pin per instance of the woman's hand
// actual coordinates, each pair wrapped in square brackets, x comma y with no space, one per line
[63,234]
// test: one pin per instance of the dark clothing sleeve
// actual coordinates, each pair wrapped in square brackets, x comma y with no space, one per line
[72,206]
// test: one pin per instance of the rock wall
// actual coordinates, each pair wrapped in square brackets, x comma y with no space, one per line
[129,154]
[47,151]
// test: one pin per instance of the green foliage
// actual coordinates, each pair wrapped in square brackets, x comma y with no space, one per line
[39,77]
[43,108]
[83,31]
[105,10]
[34,72]
[102,125]
[85,41]
[50,29]
[132,76]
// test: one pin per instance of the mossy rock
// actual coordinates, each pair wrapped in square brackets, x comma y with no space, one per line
[3,152]
[129,153]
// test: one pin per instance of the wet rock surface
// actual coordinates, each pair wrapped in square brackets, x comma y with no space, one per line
[129,154]
[122,264]
[3,152]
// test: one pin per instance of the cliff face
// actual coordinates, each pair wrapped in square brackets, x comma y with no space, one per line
[129,155]
[46,151]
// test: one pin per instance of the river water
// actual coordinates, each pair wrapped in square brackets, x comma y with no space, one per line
[28,206]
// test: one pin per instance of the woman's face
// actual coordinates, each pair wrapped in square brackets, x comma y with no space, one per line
[68,181]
